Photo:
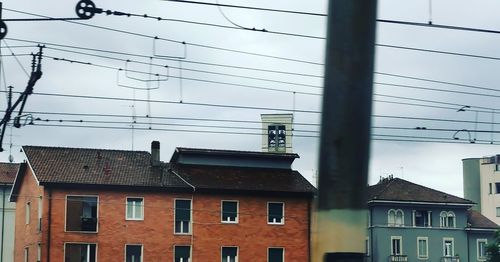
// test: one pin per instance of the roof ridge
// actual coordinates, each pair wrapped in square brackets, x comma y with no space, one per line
[386,187]
[86,148]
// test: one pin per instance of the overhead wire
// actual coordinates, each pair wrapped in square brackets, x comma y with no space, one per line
[179,42]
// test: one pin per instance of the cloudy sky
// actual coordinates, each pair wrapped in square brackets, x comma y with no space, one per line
[228,77]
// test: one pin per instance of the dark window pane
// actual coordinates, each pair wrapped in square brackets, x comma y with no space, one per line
[133,253]
[80,253]
[182,253]
[281,136]
[275,255]
[497,187]
[182,210]
[81,213]
[229,210]
[229,254]
[275,212]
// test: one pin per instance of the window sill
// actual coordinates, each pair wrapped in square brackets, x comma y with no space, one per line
[134,219]
[83,232]
[276,224]
[229,222]
[182,234]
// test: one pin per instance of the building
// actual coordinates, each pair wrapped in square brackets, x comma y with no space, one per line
[76,204]
[8,173]
[410,222]
[481,178]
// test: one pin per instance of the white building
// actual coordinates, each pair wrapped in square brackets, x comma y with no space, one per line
[481,178]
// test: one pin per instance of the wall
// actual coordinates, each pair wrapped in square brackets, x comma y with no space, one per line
[28,235]
[7,219]
[156,232]
[381,233]
[471,181]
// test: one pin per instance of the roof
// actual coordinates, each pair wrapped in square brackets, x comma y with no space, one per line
[244,179]
[8,172]
[396,189]
[97,166]
[66,167]
[477,220]
[258,154]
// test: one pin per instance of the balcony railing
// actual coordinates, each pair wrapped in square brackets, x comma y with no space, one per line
[450,259]
[398,258]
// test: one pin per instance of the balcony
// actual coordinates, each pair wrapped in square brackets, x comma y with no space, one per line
[450,259]
[398,258]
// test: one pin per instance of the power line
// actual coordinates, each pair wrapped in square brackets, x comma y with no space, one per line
[179,42]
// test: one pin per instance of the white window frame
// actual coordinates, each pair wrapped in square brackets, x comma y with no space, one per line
[391,217]
[237,212]
[190,252]
[40,210]
[66,214]
[26,254]
[485,241]
[367,246]
[125,251]
[237,252]
[133,209]
[445,239]
[39,252]
[426,256]
[400,238]
[282,210]
[498,211]
[79,243]
[454,219]
[190,226]
[27,213]
[282,248]
[429,218]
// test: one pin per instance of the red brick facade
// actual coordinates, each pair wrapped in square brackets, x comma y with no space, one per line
[252,234]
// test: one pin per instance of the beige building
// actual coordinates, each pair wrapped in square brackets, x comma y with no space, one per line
[277,132]
[481,177]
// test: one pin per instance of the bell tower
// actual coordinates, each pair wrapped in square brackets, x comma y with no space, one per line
[277,133]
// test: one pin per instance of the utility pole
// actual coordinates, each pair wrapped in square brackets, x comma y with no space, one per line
[340,221]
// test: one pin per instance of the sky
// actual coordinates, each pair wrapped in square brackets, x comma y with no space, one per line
[190,73]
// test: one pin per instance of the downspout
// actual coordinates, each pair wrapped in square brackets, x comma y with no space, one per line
[468,244]
[49,225]
[371,233]
[3,223]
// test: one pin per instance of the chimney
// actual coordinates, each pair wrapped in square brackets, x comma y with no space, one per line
[155,153]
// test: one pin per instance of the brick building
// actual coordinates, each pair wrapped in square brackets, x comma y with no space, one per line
[77,204]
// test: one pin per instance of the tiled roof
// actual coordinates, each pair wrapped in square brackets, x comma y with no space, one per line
[82,166]
[477,220]
[396,189]
[8,172]
[97,167]
[244,179]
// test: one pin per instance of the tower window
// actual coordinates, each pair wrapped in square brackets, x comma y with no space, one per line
[276,137]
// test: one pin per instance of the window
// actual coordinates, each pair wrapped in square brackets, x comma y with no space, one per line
[422,218]
[135,208]
[81,213]
[367,246]
[276,137]
[498,211]
[422,247]
[229,254]
[275,213]
[395,217]
[26,254]
[27,212]
[448,247]
[491,191]
[481,249]
[182,253]
[79,252]
[133,253]
[275,254]
[39,252]
[229,212]
[447,219]
[40,209]
[182,216]
[396,245]
[497,188]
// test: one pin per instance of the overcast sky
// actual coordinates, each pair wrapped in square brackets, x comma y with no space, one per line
[436,165]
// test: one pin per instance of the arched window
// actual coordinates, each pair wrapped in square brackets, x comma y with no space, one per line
[443,218]
[391,217]
[450,219]
[400,217]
